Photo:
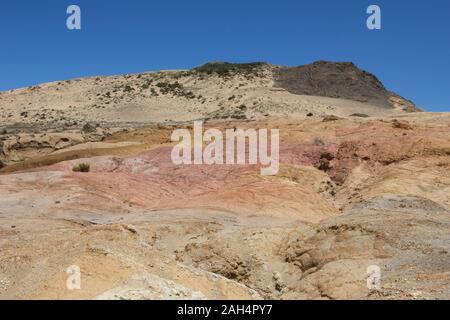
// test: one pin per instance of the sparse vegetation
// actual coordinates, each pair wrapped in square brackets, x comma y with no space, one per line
[82,167]
[128,89]
[34,88]
[189,95]
[176,89]
[360,115]
[167,87]
[236,113]
[2,165]
[226,69]
[154,93]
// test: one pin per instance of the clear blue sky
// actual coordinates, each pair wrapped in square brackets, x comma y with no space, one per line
[411,54]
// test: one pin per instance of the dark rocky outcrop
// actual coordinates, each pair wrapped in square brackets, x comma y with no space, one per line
[342,80]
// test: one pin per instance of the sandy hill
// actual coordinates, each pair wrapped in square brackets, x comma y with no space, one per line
[215,90]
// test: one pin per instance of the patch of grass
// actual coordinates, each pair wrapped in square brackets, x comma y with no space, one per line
[82,167]
[226,69]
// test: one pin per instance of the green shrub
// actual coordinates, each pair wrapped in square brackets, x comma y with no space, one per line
[82,167]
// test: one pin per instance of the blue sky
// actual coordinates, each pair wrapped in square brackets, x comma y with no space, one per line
[411,54]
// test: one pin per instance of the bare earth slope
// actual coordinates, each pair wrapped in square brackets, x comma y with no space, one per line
[352,192]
